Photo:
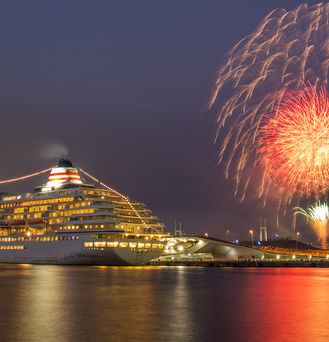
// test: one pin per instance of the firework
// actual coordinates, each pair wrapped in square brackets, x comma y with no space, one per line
[294,143]
[318,216]
[288,50]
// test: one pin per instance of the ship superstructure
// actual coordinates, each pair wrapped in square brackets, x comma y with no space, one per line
[69,221]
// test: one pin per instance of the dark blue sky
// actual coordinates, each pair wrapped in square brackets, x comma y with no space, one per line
[122,86]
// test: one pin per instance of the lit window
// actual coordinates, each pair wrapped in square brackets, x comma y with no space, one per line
[112,244]
[100,244]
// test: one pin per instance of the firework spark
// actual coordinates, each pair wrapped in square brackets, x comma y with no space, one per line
[318,215]
[288,50]
[294,143]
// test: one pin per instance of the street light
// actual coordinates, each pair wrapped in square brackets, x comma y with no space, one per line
[252,237]
[297,234]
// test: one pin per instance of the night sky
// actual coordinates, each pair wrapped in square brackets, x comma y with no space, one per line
[122,86]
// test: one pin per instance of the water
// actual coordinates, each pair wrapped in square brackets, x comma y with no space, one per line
[60,303]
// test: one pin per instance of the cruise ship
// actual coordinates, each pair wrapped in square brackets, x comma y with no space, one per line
[71,221]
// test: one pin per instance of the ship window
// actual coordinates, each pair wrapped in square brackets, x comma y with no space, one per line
[147,245]
[132,244]
[140,245]
[112,244]
[88,244]
[11,247]
[154,245]
[123,244]
[100,244]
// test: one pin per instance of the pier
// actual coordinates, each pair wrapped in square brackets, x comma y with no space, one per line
[244,263]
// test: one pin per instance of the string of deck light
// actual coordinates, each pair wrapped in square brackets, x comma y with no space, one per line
[5,181]
[115,191]
[25,177]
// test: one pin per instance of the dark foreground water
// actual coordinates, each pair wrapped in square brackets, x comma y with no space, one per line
[56,303]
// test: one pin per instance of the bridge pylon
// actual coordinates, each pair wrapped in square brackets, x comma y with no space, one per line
[262,229]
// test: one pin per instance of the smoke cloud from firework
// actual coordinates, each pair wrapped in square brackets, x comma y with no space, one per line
[287,50]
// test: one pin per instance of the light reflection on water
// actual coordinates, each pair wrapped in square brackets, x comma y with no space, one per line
[61,303]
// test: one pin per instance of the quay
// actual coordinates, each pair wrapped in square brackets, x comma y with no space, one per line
[243,263]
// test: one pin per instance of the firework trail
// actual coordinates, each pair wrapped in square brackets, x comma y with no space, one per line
[318,215]
[288,50]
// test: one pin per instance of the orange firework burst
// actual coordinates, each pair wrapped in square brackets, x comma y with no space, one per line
[287,50]
[294,143]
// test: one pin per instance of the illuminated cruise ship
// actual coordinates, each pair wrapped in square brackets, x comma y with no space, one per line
[69,221]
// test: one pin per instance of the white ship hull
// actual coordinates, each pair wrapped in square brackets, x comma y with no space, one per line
[73,252]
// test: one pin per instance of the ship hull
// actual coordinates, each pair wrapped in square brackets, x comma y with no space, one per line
[73,253]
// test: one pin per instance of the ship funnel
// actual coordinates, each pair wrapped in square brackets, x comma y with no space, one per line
[63,174]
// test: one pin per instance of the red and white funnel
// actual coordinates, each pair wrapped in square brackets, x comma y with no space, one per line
[63,174]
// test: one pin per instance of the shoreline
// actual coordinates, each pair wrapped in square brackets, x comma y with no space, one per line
[245,263]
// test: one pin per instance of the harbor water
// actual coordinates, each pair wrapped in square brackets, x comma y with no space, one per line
[66,303]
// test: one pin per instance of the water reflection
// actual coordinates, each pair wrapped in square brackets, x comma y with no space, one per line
[53,303]
[289,304]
